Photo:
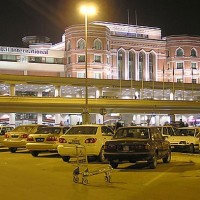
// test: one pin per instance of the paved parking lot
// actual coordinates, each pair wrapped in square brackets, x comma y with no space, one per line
[24,177]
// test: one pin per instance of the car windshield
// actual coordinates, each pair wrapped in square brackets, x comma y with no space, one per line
[186,132]
[23,129]
[136,133]
[82,130]
[49,130]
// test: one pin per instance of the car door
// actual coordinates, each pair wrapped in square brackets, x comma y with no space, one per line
[158,141]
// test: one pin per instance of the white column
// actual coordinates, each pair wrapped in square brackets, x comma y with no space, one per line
[172,94]
[126,66]
[57,119]
[39,118]
[39,93]
[12,119]
[57,91]
[136,66]
[137,119]
[146,68]
[79,94]
[99,92]
[157,120]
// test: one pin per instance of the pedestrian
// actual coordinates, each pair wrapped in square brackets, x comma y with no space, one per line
[181,123]
[118,124]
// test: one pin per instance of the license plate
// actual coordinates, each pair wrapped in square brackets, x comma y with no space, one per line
[75,142]
[14,136]
[125,148]
[39,139]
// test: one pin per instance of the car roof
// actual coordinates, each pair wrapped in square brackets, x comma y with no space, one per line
[190,127]
[92,125]
[138,127]
[6,126]
[33,125]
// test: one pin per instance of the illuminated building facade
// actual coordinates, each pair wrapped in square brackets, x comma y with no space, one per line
[115,52]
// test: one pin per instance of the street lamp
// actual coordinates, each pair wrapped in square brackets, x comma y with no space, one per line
[86,10]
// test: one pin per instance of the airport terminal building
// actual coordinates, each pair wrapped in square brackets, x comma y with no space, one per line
[138,55]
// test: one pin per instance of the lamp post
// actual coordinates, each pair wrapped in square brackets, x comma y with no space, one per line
[86,10]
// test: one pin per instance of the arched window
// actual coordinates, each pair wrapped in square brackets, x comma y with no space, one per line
[121,65]
[98,44]
[141,66]
[179,52]
[68,45]
[131,65]
[193,53]
[151,66]
[81,44]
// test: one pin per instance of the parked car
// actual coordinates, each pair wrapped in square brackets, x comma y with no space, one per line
[137,144]
[92,137]
[45,139]
[3,131]
[166,130]
[17,138]
[186,139]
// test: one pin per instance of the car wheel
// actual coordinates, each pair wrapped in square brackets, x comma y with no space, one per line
[191,148]
[66,158]
[114,164]
[35,153]
[101,156]
[13,149]
[153,162]
[167,158]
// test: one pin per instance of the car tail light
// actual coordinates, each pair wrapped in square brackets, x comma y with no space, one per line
[51,138]
[62,140]
[6,135]
[24,136]
[91,140]
[30,139]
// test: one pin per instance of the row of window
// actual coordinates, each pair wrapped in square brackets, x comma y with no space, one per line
[99,76]
[179,65]
[97,44]
[81,58]
[180,52]
[31,59]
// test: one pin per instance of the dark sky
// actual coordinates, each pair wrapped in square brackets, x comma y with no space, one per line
[19,18]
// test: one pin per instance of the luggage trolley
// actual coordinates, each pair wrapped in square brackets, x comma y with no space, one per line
[82,167]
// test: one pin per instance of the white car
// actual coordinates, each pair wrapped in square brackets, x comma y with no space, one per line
[45,139]
[92,137]
[186,139]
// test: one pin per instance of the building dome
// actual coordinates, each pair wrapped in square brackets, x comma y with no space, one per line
[31,40]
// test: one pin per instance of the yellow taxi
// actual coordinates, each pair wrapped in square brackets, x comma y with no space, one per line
[45,139]
[17,138]
[3,131]
[91,136]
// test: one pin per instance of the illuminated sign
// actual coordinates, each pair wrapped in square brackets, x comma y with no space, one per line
[17,50]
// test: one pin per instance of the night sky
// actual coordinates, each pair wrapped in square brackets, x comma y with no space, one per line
[19,18]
